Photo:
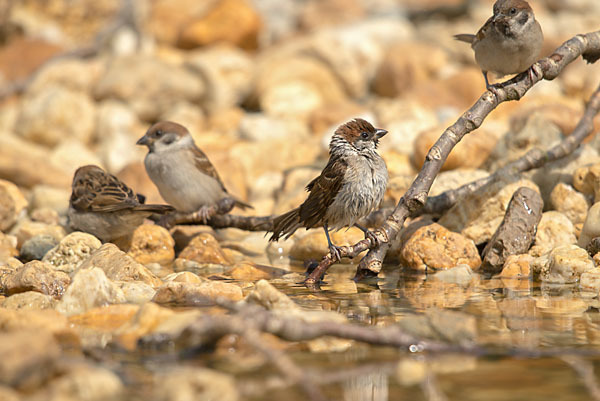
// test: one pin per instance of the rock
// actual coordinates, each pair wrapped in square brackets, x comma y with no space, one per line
[447,180]
[36,247]
[83,382]
[410,372]
[136,292]
[562,170]
[434,247]
[478,215]
[517,266]
[565,199]
[132,79]
[590,280]
[146,319]
[461,275]
[26,229]
[118,266]
[554,229]
[194,383]
[70,155]
[50,197]
[56,114]
[192,294]
[204,248]
[152,243]
[234,22]
[103,319]
[566,263]
[586,180]
[71,251]
[45,215]
[247,271]
[184,277]
[27,164]
[8,211]
[75,74]
[517,231]
[313,245]
[29,300]
[17,196]
[407,64]
[36,276]
[591,226]
[295,86]
[118,129]
[21,56]
[89,288]
[27,358]
[471,152]
[8,247]
[260,127]
[228,72]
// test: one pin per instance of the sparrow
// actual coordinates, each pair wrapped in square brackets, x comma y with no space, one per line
[509,42]
[351,185]
[184,176]
[104,206]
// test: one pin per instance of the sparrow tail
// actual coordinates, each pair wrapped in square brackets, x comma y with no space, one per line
[286,224]
[465,37]
[242,205]
[160,209]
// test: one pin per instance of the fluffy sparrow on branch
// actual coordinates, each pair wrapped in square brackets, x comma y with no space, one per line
[104,206]
[509,42]
[184,176]
[350,186]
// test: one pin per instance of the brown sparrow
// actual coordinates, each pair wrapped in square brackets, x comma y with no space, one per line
[184,176]
[104,206]
[509,42]
[350,186]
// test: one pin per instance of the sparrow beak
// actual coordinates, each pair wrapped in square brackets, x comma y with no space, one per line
[380,133]
[142,141]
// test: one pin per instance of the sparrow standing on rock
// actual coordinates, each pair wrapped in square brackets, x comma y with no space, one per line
[184,176]
[509,42]
[104,206]
[351,185]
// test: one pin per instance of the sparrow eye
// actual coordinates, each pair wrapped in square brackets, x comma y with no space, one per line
[513,11]
[159,133]
[364,135]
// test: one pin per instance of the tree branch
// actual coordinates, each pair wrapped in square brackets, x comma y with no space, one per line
[415,198]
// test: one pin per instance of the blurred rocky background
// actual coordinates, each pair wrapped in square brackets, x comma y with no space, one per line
[261,84]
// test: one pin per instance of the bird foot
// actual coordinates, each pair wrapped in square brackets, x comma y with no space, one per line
[371,236]
[335,252]
[167,221]
[494,90]
[534,72]
[205,213]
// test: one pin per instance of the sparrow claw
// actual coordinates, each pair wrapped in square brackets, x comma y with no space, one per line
[494,90]
[335,252]
[534,72]
[205,213]
[167,221]
[371,236]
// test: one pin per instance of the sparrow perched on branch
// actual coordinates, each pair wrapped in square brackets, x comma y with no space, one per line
[104,206]
[184,176]
[351,185]
[509,42]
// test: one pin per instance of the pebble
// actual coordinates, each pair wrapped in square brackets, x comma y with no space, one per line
[565,199]
[204,248]
[434,247]
[29,300]
[196,294]
[36,276]
[71,251]
[591,226]
[36,247]
[152,243]
[118,266]
[565,264]
[554,229]
[89,288]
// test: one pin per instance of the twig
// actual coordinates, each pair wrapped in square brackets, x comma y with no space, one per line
[413,201]
[585,370]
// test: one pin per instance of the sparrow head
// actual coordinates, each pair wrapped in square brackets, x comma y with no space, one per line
[358,133]
[165,135]
[511,16]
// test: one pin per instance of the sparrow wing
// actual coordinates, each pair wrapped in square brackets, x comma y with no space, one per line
[101,192]
[483,31]
[323,191]
[203,164]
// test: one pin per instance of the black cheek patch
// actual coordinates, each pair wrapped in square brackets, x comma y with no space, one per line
[523,19]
